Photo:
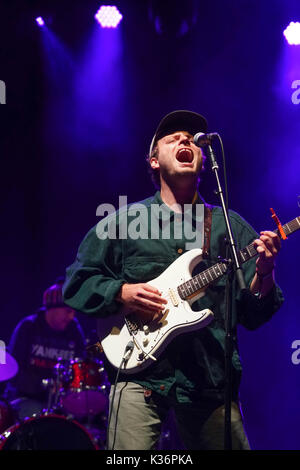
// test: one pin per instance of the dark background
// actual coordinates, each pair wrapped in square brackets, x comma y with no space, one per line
[82,106]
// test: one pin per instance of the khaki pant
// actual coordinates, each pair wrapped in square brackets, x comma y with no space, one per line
[137,417]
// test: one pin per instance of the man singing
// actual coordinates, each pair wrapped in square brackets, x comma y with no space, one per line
[110,275]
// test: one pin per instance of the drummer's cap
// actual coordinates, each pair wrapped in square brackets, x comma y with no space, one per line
[52,297]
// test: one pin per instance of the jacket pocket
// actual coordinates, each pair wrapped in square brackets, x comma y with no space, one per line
[144,268]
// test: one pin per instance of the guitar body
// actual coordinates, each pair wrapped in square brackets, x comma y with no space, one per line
[116,331]
[180,289]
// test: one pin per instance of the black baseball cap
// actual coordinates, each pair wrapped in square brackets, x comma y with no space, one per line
[181,120]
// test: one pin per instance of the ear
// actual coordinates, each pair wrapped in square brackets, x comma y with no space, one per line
[154,163]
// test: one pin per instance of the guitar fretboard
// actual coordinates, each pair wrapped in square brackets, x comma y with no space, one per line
[209,275]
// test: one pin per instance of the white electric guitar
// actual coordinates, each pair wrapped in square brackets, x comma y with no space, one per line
[132,345]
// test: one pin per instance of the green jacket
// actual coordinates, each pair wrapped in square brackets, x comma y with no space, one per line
[194,361]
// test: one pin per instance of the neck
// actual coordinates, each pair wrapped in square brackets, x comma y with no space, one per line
[179,195]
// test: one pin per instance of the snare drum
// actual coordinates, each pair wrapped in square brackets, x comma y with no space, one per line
[85,388]
[47,432]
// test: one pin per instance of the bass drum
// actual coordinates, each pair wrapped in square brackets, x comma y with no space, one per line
[47,432]
[6,415]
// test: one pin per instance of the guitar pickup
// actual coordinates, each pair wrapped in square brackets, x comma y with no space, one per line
[174,298]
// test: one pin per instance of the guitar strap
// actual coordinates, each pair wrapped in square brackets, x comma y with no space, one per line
[207,229]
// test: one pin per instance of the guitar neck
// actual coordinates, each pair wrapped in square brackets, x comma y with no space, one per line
[195,284]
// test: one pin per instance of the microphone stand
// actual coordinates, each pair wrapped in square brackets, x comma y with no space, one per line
[238,273]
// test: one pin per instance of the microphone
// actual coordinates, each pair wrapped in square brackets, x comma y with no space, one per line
[128,350]
[201,139]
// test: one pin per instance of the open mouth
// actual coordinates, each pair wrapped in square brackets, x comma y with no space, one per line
[185,155]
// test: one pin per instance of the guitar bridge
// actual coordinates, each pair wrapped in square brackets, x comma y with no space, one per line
[131,325]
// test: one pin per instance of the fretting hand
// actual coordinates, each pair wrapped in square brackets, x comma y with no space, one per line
[267,246]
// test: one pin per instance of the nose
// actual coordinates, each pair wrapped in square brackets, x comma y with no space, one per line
[184,139]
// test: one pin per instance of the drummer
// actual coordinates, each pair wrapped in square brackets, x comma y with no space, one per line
[38,342]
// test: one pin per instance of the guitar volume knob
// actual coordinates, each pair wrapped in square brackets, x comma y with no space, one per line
[146,329]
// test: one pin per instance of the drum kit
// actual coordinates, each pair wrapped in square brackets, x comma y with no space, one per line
[75,417]
[76,412]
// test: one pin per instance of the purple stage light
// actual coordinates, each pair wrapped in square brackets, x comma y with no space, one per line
[292,33]
[108,16]
[40,21]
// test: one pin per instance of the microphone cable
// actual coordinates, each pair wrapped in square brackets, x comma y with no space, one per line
[224,170]
[126,355]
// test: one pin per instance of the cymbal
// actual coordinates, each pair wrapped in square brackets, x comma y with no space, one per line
[9,368]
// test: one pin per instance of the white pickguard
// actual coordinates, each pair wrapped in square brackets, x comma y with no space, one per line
[178,318]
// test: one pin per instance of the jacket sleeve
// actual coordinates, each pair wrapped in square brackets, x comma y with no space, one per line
[95,277]
[253,311]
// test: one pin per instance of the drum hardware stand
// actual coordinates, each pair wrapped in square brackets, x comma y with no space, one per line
[49,383]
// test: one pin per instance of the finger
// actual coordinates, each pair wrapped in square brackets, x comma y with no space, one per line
[149,304]
[150,288]
[272,243]
[147,314]
[144,292]
[268,242]
[260,249]
[154,297]
[262,255]
[274,237]
[152,293]
[148,309]
[265,261]
[259,244]
[265,255]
